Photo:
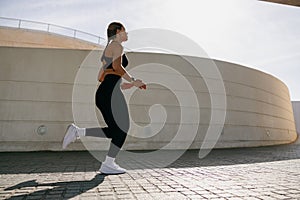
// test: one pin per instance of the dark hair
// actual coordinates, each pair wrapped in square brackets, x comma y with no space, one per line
[112,32]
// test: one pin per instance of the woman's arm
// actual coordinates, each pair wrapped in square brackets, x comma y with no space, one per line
[117,66]
[117,62]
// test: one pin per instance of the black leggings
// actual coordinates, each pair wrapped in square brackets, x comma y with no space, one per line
[111,102]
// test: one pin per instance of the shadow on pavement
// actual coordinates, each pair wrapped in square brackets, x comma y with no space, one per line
[66,189]
[83,161]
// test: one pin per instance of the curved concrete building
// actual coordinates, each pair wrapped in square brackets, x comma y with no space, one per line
[38,85]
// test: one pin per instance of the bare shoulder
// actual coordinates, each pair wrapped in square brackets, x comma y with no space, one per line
[116,48]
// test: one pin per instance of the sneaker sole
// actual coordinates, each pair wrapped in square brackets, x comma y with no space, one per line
[66,135]
[110,173]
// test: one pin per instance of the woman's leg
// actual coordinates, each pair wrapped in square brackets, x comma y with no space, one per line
[120,125]
[115,113]
[95,132]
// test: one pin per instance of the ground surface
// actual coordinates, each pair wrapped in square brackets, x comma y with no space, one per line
[245,173]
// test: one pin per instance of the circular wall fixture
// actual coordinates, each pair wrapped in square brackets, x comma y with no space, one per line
[41,130]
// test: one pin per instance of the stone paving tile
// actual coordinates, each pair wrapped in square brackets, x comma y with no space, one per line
[248,173]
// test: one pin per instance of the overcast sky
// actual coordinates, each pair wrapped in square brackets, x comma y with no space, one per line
[257,34]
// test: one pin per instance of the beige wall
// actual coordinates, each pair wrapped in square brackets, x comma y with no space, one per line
[36,87]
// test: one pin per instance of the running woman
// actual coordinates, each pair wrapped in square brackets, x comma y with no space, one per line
[110,100]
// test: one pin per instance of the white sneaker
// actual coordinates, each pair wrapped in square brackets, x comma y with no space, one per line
[70,136]
[111,168]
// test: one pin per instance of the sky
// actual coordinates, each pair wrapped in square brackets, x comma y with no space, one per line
[256,34]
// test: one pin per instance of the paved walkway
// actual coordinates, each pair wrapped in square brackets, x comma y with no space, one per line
[245,173]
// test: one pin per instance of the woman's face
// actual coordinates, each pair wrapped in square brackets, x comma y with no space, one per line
[123,34]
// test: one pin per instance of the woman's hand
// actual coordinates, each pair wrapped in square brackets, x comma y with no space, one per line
[139,83]
[126,86]
[136,83]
